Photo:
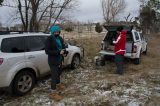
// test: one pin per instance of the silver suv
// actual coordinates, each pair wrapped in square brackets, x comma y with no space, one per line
[23,60]
[136,44]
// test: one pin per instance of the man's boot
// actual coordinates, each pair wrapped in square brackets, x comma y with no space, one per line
[55,96]
[60,86]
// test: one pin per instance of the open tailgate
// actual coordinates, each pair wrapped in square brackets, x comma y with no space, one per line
[114,27]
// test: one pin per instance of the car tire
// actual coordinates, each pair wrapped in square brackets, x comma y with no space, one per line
[100,61]
[137,61]
[23,83]
[145,52]
[75,61]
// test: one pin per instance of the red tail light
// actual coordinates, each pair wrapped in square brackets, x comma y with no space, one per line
[1,61]
[134,49]
[102,46]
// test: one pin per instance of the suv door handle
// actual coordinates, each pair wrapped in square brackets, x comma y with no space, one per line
[31,56]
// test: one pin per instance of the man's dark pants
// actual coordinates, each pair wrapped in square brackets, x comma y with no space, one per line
[119,63]
[56,71]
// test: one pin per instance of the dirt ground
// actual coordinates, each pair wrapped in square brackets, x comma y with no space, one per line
[91,85]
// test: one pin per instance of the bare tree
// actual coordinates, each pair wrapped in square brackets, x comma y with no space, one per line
[66,5]
[35,12]
[89,26]
[79,27]
[24,16]
[111,8]
[1,2]
[143,2]
[128,18]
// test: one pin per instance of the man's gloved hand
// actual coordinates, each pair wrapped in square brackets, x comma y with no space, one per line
[62,52]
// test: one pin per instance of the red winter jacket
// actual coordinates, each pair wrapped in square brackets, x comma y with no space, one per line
[120,43]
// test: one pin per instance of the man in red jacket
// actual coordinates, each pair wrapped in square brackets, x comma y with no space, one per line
[120,49]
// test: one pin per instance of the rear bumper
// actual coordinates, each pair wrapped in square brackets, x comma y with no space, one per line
[4,82]
[106,53]
[6,89]
[127,55]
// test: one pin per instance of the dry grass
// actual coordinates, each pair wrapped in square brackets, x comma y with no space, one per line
[150,61]
[99,86]
[91,45]
[91,42]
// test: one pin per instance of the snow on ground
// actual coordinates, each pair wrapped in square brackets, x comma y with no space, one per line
[90,85]
[82,90]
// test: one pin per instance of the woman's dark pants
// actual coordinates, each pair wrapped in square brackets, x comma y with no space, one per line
[56,71]
[119,63]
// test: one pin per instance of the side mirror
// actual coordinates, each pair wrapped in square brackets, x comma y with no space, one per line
[146,39]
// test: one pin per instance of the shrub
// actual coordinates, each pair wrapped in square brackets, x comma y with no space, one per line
[69,29]
[98,28]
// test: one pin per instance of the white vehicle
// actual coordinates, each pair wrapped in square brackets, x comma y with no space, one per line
[23,60]
[135,43]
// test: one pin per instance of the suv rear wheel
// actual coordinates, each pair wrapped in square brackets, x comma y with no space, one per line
[137,61]
[23,83]
[75,61]
[145,52]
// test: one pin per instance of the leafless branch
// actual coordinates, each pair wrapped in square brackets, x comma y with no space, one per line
[111,8]
[33,12]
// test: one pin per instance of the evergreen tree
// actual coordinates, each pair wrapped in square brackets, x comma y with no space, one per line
[69,29]
[149,16]
[98,28]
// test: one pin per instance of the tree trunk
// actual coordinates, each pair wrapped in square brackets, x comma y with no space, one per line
[21,15]
[33,23]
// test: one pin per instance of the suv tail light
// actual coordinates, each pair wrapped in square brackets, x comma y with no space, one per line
[1,61]
[102,45]
[134,49]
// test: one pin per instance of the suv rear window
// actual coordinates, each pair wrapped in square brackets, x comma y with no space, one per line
[141,35]
[13,45]
[112,35]
[129,36]
[136,36]
[35,43]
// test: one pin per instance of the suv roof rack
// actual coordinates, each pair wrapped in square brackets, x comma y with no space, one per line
[18,32]
[10,32]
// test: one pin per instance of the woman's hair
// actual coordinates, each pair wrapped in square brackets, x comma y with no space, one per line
[120,28]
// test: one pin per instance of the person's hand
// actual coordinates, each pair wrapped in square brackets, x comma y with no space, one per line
[62,52]
[114,42]
[64,55]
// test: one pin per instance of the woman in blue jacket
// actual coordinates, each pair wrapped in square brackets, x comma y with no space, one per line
[54,48]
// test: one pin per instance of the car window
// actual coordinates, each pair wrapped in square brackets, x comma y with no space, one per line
[129,36]
[110,36]
[141,35]
[35,43]
[136,35]
[13,45]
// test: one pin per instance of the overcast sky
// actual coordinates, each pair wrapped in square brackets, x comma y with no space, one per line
[88,10]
